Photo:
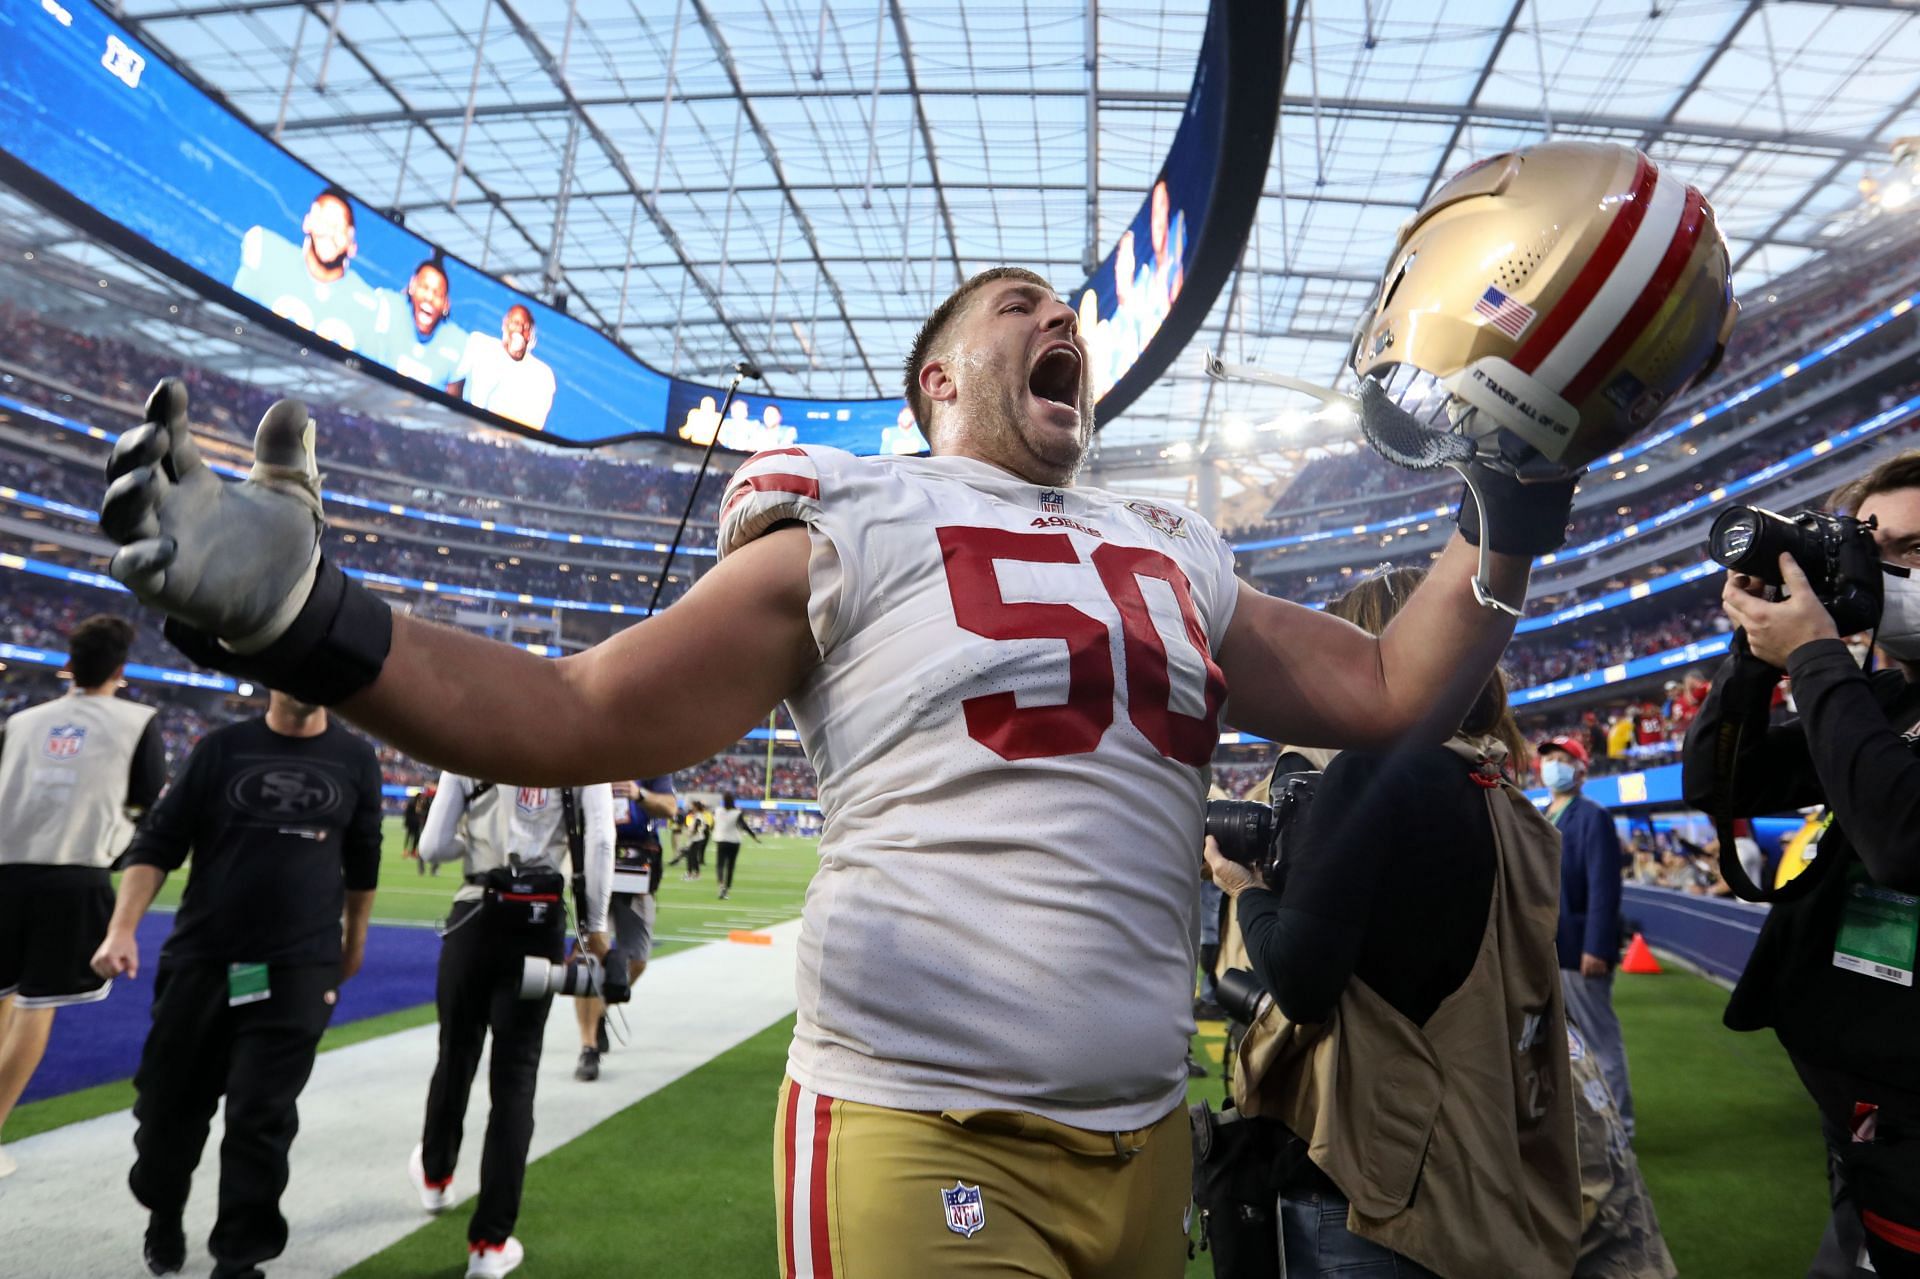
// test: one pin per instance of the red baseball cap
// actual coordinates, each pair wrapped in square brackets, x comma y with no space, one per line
[1570,745]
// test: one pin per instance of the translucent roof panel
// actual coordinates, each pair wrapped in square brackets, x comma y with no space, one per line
[799,181]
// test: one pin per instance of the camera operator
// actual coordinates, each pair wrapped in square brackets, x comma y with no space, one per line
[514,842]
[632,908]
[1419,1059]
[1832,971]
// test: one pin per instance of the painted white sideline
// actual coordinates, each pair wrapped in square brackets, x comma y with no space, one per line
[68,1211]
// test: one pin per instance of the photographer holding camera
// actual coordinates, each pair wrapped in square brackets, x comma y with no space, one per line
[1415,1047]
[1832,971]
[506,927]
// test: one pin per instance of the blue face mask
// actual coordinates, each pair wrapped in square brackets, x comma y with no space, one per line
[1558,774]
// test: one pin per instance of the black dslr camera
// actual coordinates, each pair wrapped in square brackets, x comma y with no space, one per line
[1258,835]
[1836,552]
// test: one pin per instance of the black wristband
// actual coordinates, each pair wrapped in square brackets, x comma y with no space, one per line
[1527,519]
[335,647]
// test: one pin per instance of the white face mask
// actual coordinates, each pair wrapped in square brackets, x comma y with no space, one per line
[1899,631]
[1558,774]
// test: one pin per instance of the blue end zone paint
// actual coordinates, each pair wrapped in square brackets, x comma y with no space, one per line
[99,1043]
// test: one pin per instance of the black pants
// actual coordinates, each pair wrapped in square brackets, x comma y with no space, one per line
[727,852]
[696,856]
[259,1055]
[477,992]
[1879,1177]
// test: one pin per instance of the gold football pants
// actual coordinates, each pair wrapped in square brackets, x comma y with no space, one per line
[864,1192]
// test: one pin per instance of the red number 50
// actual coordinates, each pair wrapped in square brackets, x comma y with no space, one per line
[1076,725]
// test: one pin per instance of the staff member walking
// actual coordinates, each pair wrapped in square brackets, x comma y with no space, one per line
[282,817]
[74,772]
[727,825]
[632,907]
[514,843]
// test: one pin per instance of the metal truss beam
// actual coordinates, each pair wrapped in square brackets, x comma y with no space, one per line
[1825,180]
[926,137]
[725,54]
[634,190]
[1652,134]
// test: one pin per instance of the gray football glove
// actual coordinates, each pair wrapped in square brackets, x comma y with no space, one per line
[235,561]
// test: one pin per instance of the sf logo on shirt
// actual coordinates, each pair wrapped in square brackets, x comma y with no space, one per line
[282,792]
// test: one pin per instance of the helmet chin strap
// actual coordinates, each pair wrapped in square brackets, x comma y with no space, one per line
[1483,575]
[1403,440]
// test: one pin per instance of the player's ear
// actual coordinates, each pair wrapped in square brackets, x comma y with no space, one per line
[936,382]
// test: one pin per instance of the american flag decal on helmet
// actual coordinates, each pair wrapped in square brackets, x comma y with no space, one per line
[1510,317]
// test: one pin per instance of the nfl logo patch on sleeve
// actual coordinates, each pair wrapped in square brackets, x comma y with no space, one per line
[966,1210]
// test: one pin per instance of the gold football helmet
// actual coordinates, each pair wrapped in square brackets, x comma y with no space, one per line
[1562,293]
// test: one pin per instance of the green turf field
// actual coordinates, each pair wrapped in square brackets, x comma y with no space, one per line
[768,885]
[680,1183]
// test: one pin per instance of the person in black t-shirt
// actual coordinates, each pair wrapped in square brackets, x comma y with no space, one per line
[282,817]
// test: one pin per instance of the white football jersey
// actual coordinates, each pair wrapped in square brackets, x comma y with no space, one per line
[1011,721]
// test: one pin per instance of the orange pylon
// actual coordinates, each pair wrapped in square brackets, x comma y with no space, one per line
[1639,957]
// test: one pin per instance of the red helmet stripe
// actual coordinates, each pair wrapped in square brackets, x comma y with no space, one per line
[1606,256]
[1673,264]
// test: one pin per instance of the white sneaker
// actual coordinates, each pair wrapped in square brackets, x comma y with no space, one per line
[8,1165]
[433,1198]
[491,1260]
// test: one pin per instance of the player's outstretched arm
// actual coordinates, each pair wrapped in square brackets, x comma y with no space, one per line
[237,569]
[660,695]
[1307,679]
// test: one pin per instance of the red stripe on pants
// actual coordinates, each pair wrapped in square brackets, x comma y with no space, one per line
[793,1123]
[822,1246]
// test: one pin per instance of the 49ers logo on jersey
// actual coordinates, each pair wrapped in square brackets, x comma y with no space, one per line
[1062,521]
[1160,519]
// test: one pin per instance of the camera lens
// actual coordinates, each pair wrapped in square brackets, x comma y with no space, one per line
[1750,540]
[1242,828]
[1733,537]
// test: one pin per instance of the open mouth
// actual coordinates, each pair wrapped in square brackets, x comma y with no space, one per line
[1056,377]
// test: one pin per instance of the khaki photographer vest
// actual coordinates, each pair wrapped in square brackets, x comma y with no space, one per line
[1453,1141]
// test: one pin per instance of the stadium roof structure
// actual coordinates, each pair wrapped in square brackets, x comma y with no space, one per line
[797,181]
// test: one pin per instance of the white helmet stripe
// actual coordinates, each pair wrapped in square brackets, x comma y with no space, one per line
[1623,286]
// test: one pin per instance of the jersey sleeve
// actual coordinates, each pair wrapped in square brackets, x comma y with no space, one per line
[817,487]
[774,487]
[1216,587]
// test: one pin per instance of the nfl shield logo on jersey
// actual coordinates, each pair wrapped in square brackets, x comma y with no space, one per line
[1052,501]
[64,741]
[966,1210]
[530,799]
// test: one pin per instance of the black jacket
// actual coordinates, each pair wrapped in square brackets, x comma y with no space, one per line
[1848,749]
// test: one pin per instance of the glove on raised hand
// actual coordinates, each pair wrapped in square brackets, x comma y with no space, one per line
[237,566]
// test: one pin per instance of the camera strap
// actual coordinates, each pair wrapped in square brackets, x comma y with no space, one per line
[574,824]
[1726,755]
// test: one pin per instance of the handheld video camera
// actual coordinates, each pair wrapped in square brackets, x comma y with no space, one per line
[1258,835]
[581,975]
[1836,552]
